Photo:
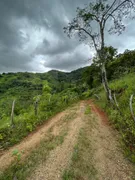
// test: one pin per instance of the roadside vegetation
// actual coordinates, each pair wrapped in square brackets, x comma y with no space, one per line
[121,77]
[121,118]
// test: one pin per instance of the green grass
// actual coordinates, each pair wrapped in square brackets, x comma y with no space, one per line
[87,110]
[69,117]
[27,122]
[82,165]
[4,123]
[25,88]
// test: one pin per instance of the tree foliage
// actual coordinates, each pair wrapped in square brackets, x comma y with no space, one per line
[91,22]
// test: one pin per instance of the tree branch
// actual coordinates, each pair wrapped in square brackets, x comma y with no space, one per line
[92,37]
[117,8]
[131,107]
[112,17]
[109,8]
[97,19]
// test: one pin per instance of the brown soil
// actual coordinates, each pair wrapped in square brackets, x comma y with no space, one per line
[60,158]
[29,143]
[98,112]
[109,160]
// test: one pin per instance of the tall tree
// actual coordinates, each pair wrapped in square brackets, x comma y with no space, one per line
[90,25]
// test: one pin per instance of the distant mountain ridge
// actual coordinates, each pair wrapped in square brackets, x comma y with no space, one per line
[27,81]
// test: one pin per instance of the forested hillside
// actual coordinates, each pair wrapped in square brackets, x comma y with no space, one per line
[121,65]
[37,97]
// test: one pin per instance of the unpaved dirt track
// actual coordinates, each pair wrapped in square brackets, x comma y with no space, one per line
[109,160]
[60,158]
[29,143]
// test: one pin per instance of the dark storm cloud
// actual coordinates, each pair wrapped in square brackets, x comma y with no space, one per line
[58,47]
[71,60]
[49,15]
[67,63]
[11,40]
[31,29]
[14,56]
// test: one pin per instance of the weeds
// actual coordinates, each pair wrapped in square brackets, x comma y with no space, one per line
[17,155]
[88,110]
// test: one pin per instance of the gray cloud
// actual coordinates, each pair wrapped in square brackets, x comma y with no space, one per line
[60,46]
[32,38]
[70,60]
[14,61]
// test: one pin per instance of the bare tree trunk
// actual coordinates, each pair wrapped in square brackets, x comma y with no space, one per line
[116,103]
[131,107]
[12,113]
[36,108]
[103,69]
[97,96]
[105,84]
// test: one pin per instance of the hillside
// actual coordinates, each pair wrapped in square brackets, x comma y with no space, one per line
[55,89]
[33,81]
[25,86]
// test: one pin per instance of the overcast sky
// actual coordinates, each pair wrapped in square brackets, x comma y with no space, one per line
[32,38]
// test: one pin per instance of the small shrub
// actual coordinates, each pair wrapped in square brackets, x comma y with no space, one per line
[88,110]
[16,154]
[1,137]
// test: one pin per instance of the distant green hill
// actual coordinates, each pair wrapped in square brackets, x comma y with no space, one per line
[54,89]
[18,82]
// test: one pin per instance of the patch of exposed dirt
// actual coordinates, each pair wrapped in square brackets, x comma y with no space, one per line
[60,157]
[71,114]
[109,160]
[98,111]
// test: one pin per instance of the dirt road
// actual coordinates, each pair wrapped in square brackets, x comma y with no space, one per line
[108,157]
